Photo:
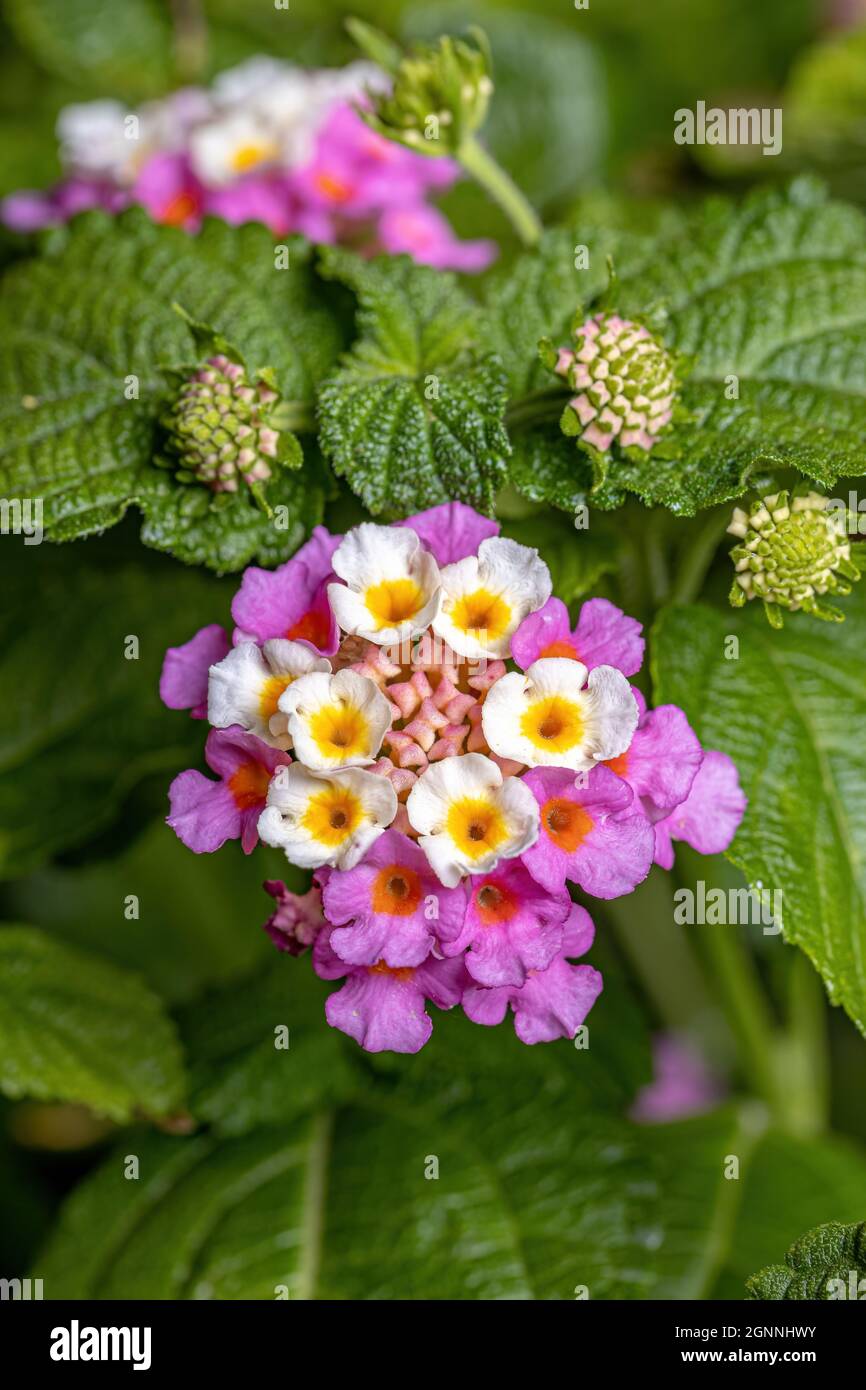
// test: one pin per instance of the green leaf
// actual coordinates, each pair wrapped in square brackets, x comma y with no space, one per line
[773,293]
[83,724]
[721,1227]
[91,321]
[200,915]
[784,710]
[546,467]
[241,1079]
[126,48]
[414,415]
[538,1189]
[819,1266]
[767,302]
[226,532]
[534,297]
[790,1183]
[75,1028]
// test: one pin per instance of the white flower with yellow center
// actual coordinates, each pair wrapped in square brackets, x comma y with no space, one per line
[553,715]
[335,721]
[245,687]
[486,597]
[98,140]
[225,149]
[468,817]
[391,589]
[320,818]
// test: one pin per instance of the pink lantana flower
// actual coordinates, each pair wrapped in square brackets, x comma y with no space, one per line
[709,816]
[452,530]
[204,814]
[298,918]
[512,926]
[552,1003]
[184,679]
[395,906]
[292,600]
[256,198]
[168,189]
[604,636]
[381,1007]
[425,234]
[593,832]
[662,759]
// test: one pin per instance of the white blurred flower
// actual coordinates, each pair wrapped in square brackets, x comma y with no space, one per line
[98,139]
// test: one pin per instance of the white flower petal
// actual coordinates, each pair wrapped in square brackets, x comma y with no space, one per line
[93,140]
[468,818]
[336,721]
[391,590]
[553,716]
[321,818]
[230,146]
[486,597]
[245,687]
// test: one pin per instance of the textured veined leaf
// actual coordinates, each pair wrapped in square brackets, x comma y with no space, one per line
[787,711]
[414,416]
[74,1028]
[766,300]
[89,329]
[478,1169]
[826,1264]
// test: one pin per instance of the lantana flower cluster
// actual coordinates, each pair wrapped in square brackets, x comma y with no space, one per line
[267,142]
[408,712]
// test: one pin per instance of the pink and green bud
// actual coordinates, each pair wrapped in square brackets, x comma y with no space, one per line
[624,383]
[794,550]
[220,426]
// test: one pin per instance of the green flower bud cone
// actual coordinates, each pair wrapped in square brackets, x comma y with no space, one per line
[439,97]
[794,550]
[220,427]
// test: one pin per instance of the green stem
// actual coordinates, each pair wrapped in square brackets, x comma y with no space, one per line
[697,556]
[482,167]
[658,952]
[536,407]
[744,1002]
[190,39]
[804,1048]
[656,556]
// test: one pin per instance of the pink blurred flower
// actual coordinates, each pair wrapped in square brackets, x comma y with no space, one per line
[682,1085]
